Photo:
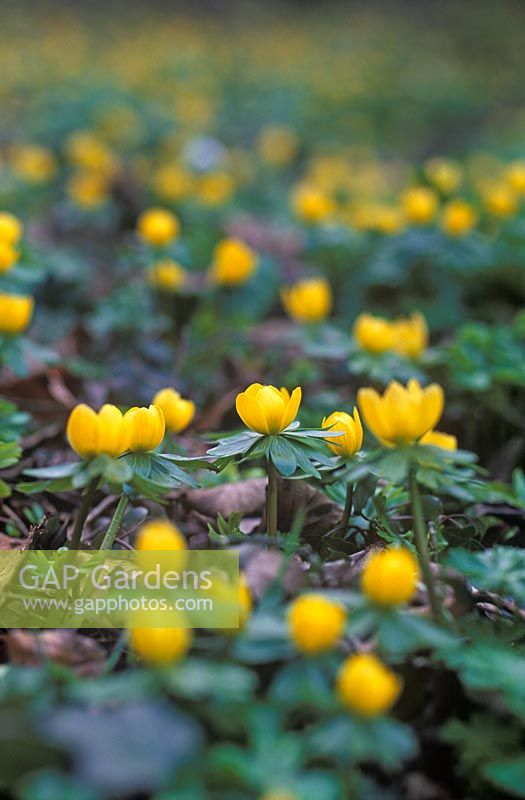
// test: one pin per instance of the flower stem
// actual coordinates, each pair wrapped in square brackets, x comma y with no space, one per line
[83,511]
[114,525]
[271,501]
[347,510]
[420,536]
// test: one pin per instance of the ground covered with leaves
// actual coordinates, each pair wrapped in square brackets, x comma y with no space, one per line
[262,291]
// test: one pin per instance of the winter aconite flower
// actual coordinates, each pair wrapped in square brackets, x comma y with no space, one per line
[444,174]
[458,218]
[178,412]
[515,176]
[311,204]
[420,205]
[8,256]
[92,434]
[410,335]
[390,576]
[367,686]
[160,646]
[373,334]
[160,534]
[402,415]
[439,439]
[167,276]
[500,201]
[157,227]
[146,428]
[233,262]
[308,301]
[11,229]
[315,623]
[267,410]
[88,189]
[350,442]
[33,163]
[15,313]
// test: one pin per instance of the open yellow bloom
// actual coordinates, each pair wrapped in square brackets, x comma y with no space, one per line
[177,411]
[402,415]
[308,300]
[33,163]
[233,262]
[160,534]
[92,434]
[500,201]
[515,175]
[167,275]
[367,686]
[312,204]
[444,174]
[157,226]
[439,439]
[420,204]
[350,442]
[410,335]
[458,218]
[11,229]
[8,256]
[146,428]
[315,623]
[373,334]
[390,576]
[15,313]
[160,646]
[88,189]
[267,410]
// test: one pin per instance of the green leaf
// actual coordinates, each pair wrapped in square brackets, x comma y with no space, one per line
[58,471]
[498,569]
[235,445]
[283,456]
[508,775]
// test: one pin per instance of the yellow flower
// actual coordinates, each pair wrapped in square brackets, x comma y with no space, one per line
[315,623]
[410,335]
[267,410]
[172,182]
[33,163]
[458,218]
[515,175]
[311,204]
[500,201]
[350,442]
[157,226]
[439,439]
[215,189]
[160,534]
[277,145]
[91,434]
[233,262]
[11,229]
[8,256]
[146,428]
[90,154]
[88,189]
[160,646]
[177,411]
[309,300]
[402,415]
[373,334]
[388,220]
[444,174]
[367,686]
[167,275]
[390,576]
[420,204]
[15,313]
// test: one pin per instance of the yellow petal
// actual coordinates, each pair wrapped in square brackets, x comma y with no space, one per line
[292,407]
[112,433]
[82,431]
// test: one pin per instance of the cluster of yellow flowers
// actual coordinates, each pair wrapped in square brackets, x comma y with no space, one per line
[401,416]
[16,310]
[110,432]
[94,165]
[407,337]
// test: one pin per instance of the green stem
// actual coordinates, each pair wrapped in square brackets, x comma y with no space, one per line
[420,535]
[114,525]
[83,511]
[271,501]
[347,510]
